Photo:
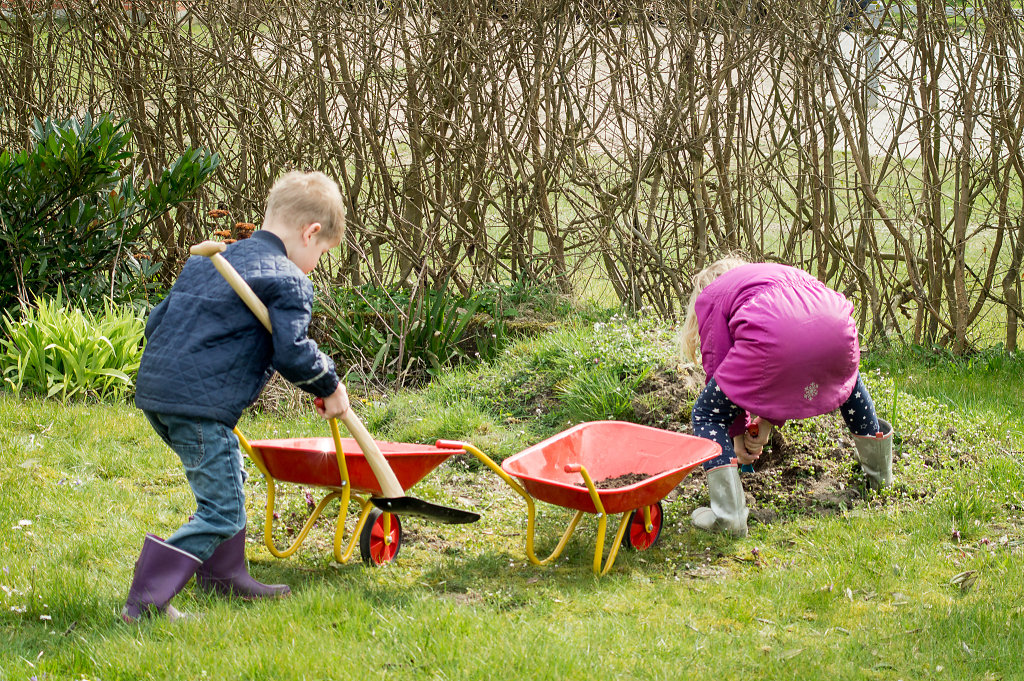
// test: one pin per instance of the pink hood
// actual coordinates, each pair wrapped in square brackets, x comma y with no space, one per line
[779,343]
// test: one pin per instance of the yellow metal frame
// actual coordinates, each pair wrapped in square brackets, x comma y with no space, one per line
[602,518]
[344,493]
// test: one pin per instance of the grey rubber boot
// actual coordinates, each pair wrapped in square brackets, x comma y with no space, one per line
[160,572]
[225,573]
[728,512]
[875,455]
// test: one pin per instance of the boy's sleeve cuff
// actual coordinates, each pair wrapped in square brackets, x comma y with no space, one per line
[323,384]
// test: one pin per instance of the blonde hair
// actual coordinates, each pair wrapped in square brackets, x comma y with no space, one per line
[298,199]
[689,333]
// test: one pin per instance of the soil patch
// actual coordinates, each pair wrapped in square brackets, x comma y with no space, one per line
[791,478]
[665,396]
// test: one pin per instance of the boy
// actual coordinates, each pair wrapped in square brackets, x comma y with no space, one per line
[207,358]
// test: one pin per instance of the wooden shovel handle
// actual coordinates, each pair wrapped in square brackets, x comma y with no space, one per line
[389,484]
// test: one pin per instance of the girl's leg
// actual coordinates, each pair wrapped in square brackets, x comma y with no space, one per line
[872,436]
[711,417]
[859,411]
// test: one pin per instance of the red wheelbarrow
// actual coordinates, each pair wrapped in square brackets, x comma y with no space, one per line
[602,467]
[339,466]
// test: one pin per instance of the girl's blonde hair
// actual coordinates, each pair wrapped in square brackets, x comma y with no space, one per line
[689,334]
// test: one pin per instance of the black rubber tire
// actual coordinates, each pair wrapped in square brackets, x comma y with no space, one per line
[371,539]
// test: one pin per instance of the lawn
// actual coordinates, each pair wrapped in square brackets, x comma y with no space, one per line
[922,582]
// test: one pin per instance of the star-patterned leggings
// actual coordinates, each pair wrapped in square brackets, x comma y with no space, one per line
[713,413]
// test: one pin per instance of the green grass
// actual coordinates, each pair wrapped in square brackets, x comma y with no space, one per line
[868,594]
[983,387]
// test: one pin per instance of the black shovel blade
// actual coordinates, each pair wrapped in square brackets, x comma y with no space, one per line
[424,509]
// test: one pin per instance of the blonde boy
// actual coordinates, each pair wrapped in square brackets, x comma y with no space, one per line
[207,358]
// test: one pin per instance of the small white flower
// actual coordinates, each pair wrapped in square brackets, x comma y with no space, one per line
[811,391]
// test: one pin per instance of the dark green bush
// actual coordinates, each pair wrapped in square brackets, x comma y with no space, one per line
[70,211]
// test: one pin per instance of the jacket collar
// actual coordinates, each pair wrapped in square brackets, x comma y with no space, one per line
[270,239]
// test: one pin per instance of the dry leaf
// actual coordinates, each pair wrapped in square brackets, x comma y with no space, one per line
[965,580]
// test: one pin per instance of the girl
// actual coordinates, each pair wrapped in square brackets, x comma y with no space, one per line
[776,342]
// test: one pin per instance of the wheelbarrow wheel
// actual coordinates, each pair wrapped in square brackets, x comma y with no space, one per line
[637,536]
[375,548]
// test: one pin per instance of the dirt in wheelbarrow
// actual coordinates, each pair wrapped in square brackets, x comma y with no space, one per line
[623,480]
[807,468]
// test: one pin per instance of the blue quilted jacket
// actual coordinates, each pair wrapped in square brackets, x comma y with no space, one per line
[208,356]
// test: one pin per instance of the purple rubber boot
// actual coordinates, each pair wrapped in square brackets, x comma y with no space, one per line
[225,573]
[160,572]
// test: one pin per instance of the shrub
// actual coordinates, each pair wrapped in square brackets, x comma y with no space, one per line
[70,212]
[397,336]
[54,349]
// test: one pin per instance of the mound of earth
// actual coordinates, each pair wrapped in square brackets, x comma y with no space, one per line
[808,468]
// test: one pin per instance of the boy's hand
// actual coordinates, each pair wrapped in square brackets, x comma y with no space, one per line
[334,405]
[745,457]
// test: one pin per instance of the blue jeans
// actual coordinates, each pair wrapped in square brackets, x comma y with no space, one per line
[213,466]
[713,413]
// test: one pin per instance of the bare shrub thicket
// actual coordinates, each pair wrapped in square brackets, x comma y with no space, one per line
[562,142]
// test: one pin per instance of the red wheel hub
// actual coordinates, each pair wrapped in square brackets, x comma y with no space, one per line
[384,547]
[639,537]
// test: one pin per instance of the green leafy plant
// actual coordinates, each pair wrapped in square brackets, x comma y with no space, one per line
[967,505]
[71,211]
[57,350]
[393,335]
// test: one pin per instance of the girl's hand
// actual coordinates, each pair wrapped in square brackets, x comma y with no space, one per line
[745,457]
[334,405]
[756,436]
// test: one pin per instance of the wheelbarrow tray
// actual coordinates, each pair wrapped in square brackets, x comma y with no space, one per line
[608,449]
[312,461]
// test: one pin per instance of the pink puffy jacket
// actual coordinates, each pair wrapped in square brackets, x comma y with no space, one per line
[779,343]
